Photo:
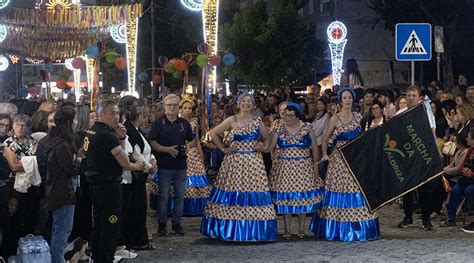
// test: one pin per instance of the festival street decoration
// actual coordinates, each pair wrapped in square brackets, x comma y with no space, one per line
[3,33]
[119,33]
[4,63]
[210,17]
[337,33]
[4,3]
[193,5]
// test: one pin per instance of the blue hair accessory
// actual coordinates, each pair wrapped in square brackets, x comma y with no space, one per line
[246,94]
[295,105]
[339,93]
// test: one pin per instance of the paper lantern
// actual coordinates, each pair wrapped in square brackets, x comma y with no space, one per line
[228,59]
[121,63]
[93,51]
[143,76]
[203,48]
[61,84]
[215,60]
[202,60]
[188,57]
[34,91]
[177,74]
[23,91]
[180,65]
[77,63]
[156,79]
[169,68]
[63,75]
[110,57]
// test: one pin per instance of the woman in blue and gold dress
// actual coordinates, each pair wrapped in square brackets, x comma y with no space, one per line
[344,215]
[198,187]
[240,207]
[294,182]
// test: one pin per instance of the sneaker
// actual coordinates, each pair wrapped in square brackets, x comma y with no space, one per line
[162,229]
[427,225]
[447,223]
[78,249]
[406,222]
[469,228]
[178,230]
[126,254]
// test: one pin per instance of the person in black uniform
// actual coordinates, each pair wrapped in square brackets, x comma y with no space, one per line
[105,162]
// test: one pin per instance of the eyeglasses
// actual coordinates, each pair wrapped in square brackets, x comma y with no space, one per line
[20,125]
[4,126]
[172,105]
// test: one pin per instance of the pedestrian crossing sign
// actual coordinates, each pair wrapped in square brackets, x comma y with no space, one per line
[413,42]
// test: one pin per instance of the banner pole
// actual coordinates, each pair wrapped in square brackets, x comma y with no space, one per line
[413,73]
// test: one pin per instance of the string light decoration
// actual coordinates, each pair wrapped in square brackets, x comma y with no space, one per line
[58,5]
[119,33]
[3,33]
[14,59]
[90,68]
[4,63]
[193,5]
[68,63]
[210,18]
[337,33]
[34,61]
[77,82]
[4,3]
[132,33]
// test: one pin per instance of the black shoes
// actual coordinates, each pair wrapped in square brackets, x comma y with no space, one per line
[177,229]
[469,228]
[162,229]
[427,225]
[406,222]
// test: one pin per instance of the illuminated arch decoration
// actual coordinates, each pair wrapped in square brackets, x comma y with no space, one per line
[4,3]
[4,63]
[210,17]
[337,33]
[34,61]
[193,5]
[3,33]
[119,33]
[58,5]
[132,33]
[68,63]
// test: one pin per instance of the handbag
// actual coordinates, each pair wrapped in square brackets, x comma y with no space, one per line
[449,148]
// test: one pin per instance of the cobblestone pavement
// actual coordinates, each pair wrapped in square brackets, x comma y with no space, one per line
[396,245]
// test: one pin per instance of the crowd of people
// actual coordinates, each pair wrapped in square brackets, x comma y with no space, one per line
[81,178]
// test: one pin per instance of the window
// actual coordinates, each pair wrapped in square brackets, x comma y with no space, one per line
[324,6]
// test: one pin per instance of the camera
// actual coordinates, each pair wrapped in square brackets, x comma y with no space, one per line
[181,151]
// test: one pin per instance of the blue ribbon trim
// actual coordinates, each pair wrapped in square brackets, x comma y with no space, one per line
[197,181]
[194,206]
[239,230]
[222,197]
[345,231]
[283,209]
[343,200]
[296,195]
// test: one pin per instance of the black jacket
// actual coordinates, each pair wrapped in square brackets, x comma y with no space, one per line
[60,170]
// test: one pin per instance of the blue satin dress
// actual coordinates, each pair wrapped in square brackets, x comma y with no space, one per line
[344,215]
[240,206]
[294,187]
[198,187]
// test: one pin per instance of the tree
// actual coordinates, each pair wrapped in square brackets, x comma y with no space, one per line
[274,50]
[445,13]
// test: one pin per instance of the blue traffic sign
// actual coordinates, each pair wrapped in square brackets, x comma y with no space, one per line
[413,42]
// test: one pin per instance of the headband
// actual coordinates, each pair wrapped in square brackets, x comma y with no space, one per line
[339,93]
[295,105]
[184,100]
[246,94]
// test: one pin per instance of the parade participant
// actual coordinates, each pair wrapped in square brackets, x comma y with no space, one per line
[425,192]
[344,215]
[294,182]
[169,136]
[134,206]
[377,116]
[105,160]
[60,190]
[198,187]
[240,207]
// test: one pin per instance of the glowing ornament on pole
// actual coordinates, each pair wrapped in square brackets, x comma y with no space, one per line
[119,33]
[4,63]
[132,33]
[4,3]
[210,18]
[193,5]
[73,64]
[3,33]
[337,33]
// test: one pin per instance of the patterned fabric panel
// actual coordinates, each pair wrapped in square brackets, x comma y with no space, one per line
[197,192]
[195,165]
[339,178]
[352,125]
[240,212]
[346,214]
[304,202]
[294,176]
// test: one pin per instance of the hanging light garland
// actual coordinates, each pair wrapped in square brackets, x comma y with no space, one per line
[14,58]
[34,61]
[4,63]
[132,33]
[210,17]
[3,33]
[337,33]
[193,5]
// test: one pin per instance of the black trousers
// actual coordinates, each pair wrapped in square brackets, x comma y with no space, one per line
[134,208]
[83,213]
[431,197]
[107,213]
